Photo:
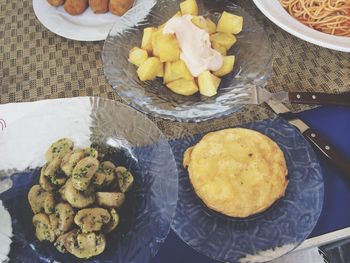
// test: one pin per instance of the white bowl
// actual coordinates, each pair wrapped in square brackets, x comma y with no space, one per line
[274,11]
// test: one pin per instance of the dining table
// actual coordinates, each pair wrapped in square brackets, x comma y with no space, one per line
[36,64]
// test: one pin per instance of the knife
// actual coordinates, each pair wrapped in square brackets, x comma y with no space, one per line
[321,144]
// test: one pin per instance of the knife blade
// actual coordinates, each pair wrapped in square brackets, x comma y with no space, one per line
[319,142]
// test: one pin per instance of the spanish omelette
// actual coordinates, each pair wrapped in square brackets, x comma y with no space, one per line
[237,172]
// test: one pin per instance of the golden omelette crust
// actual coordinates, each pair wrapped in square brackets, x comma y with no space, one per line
[237,172]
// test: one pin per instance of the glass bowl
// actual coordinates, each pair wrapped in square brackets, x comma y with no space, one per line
[253,64]
[133,141]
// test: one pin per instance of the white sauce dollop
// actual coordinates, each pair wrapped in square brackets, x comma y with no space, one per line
[195,45]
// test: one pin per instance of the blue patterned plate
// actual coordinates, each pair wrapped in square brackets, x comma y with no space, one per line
[265,236]
[137,144]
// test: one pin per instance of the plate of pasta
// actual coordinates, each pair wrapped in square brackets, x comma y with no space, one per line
[325,23]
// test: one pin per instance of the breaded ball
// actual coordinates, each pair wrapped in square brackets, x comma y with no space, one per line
[119,7]
[99,6]
[56,2]
[75,7]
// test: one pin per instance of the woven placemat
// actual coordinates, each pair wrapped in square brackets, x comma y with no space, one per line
[37,64]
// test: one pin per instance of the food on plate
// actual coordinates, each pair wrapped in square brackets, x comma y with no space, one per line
[84,245]
[208,83]
[83,173]
[137,56]
[183,87]
[125,178]
[149,69]
[229,23]
[237,172]
[43,228]
[77,7]
[59,149]
[110,200]
[189,51]
[120,7]
[189,7]
[41,200]
[92,219]
[328,16]
[99,6]
[56,2]
[227,66]
[113,223]
[77,199]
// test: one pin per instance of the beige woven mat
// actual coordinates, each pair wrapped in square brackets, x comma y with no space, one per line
[36,64]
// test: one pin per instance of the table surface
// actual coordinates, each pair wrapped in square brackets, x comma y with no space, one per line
[36,64]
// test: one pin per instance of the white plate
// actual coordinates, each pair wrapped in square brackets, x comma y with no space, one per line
[85,27]
[273,10]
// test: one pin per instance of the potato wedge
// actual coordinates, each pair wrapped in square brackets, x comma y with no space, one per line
[200,22]
[229,23]
[225,39]
[226,67]
[189,7]
[155,36]
[208,84]
[183,87]
[168,48]
[211,26]
[146,42]
[149,69]
[176,70]
[137,56]
[204,23]
[161,71]
[219,48]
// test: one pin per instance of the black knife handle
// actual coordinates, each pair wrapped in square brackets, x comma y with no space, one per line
[318,98]
[328,151]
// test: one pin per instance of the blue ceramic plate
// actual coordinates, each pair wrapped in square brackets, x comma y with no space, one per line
[265,236]
[136,143]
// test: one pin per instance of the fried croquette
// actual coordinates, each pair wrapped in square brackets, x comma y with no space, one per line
[56,2]
[99,6]
[120,7]
[75,7]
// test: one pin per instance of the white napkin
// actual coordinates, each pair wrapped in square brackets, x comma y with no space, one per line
[39,120]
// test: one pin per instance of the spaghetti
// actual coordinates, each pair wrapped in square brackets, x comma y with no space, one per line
[328,16]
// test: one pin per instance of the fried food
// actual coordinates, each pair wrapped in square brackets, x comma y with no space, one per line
[56,2]
[185,34]
[75,7]
[237,172]
[99,6]
[119,7]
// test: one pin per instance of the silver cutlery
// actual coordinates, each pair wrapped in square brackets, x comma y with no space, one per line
[258,95]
